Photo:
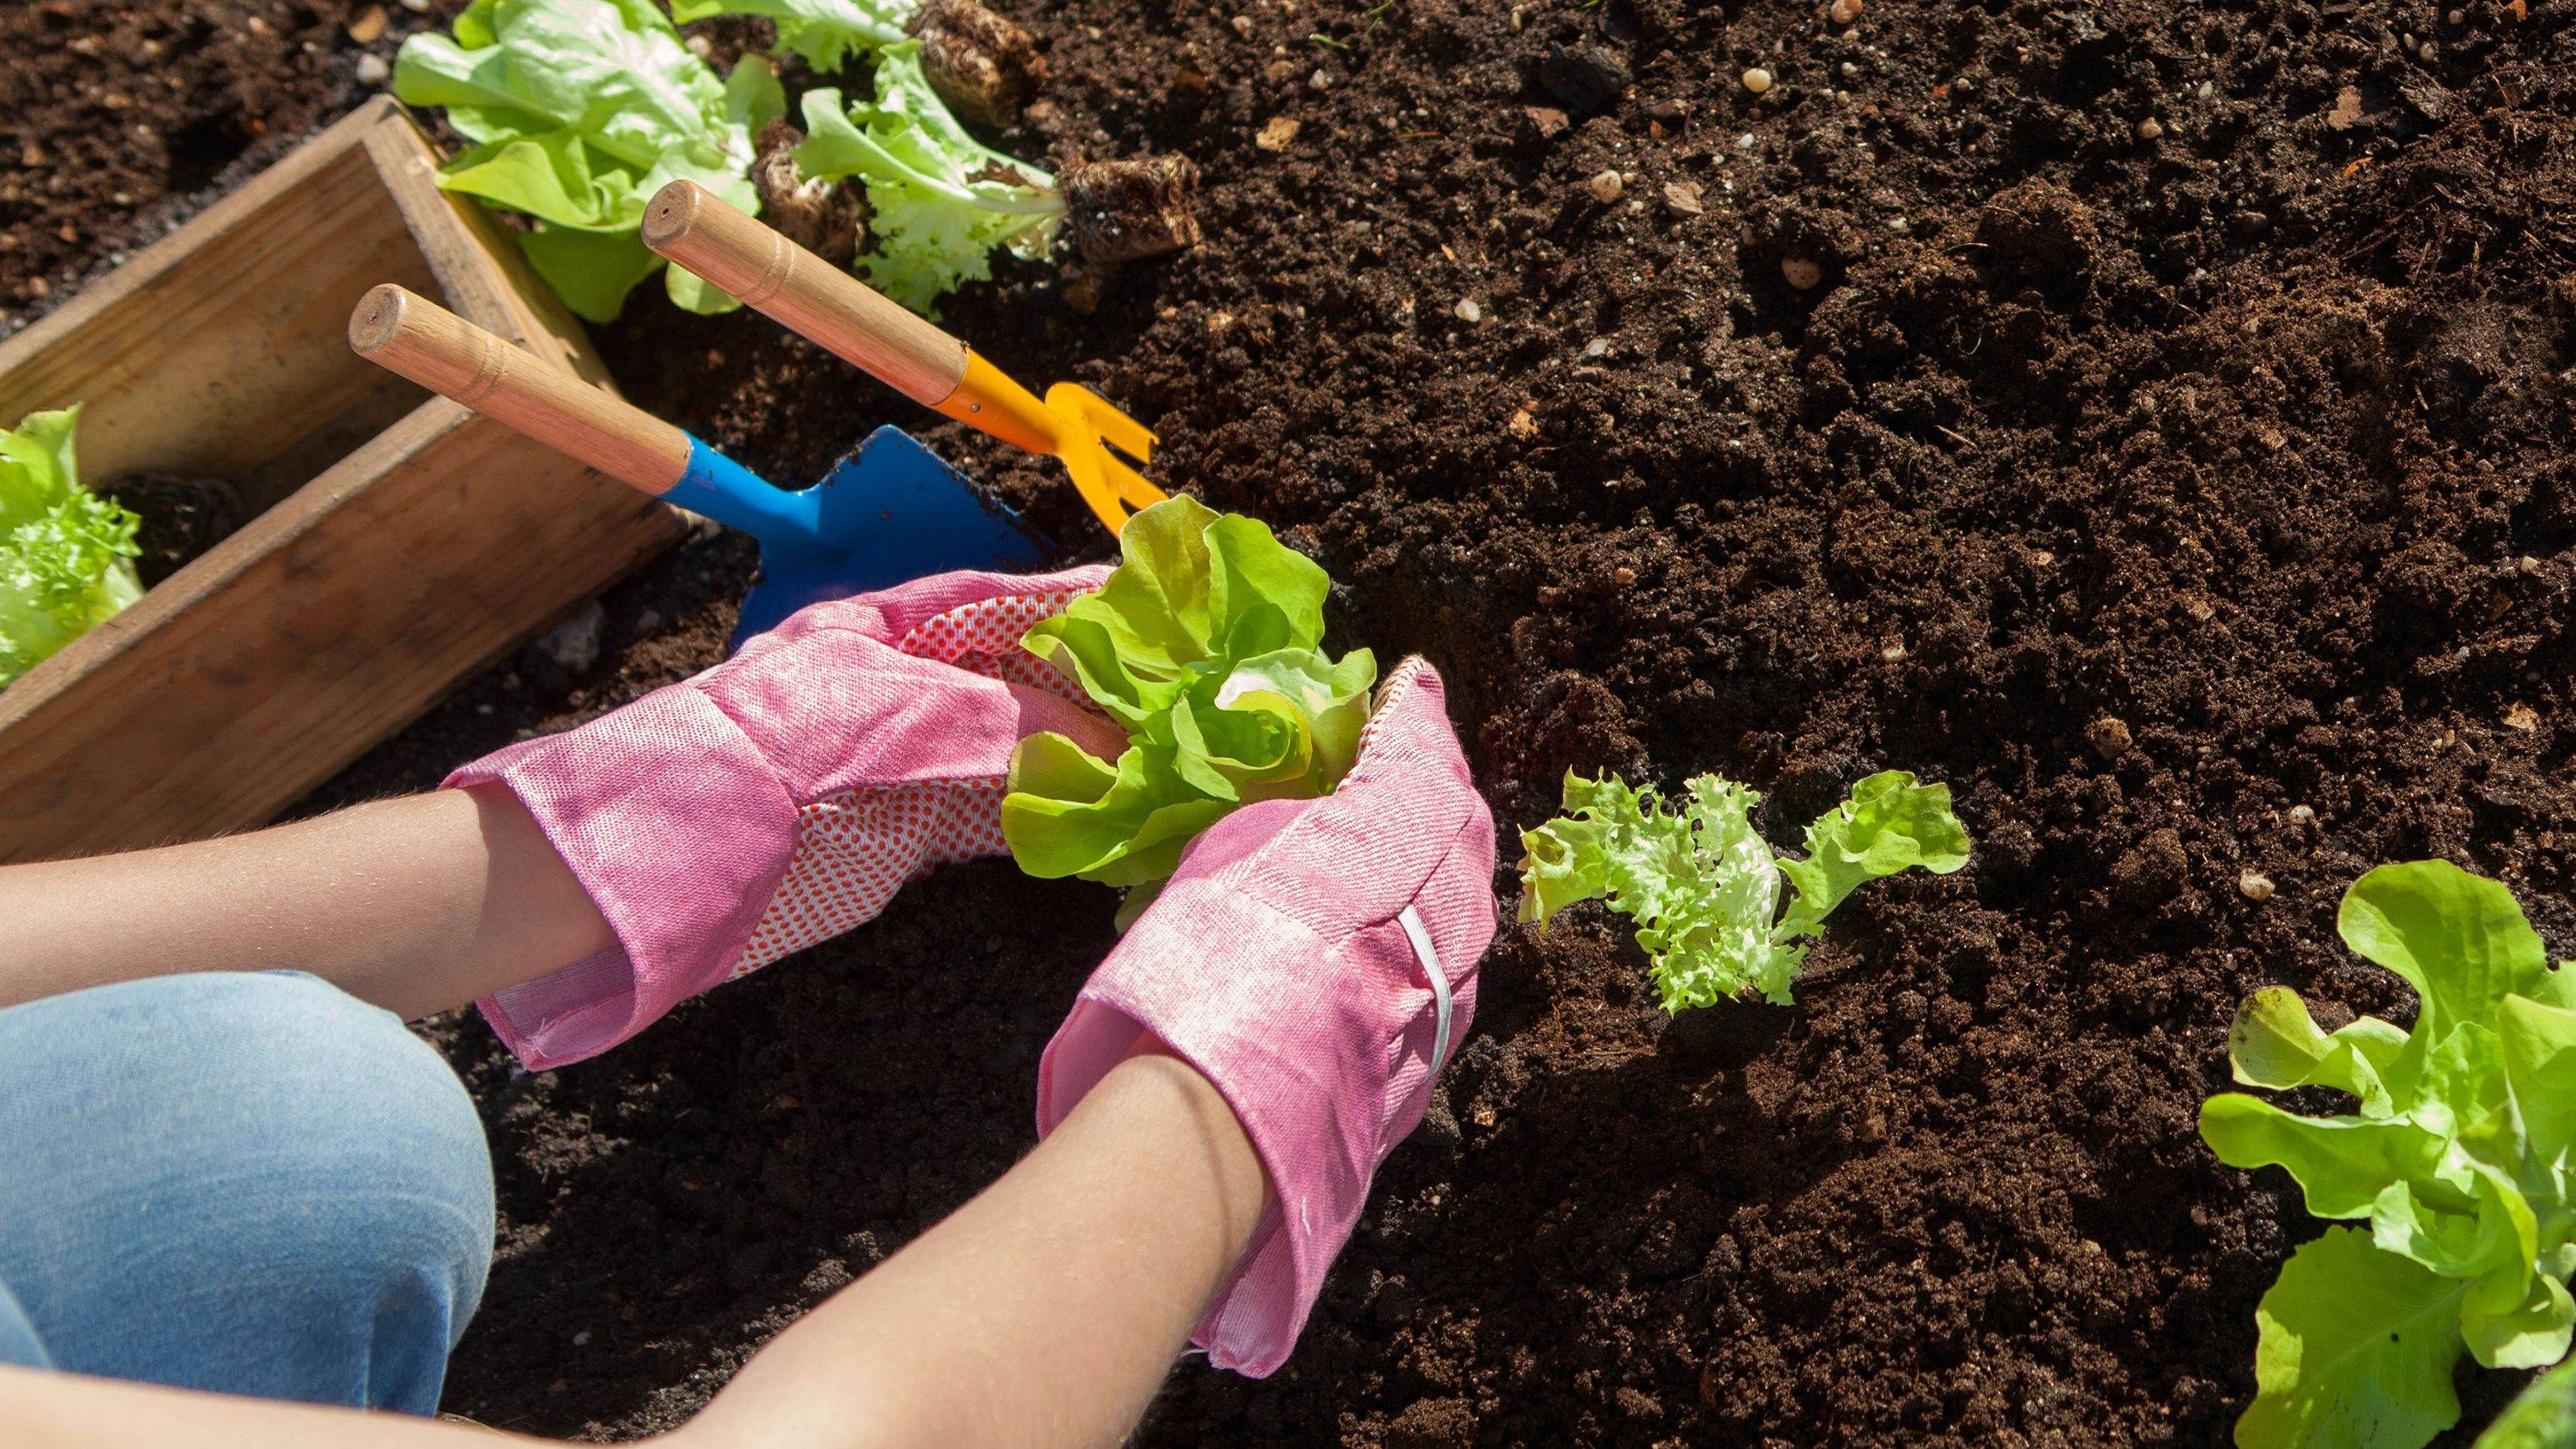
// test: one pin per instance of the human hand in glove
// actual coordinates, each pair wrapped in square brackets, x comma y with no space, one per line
[1316,961]
[781,797]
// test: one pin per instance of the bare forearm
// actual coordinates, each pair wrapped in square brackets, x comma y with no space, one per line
[416,904]
[1046,1311]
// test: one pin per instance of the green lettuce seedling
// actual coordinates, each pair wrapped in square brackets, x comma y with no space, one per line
[1205,643]
[940,200]
[578,111]
[65,553]
[1703,886]
[2458,1159]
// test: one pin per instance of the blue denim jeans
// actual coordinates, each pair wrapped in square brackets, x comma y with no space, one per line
[255,1184]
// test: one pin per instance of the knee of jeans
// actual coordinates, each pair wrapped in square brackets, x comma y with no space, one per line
[352,1100]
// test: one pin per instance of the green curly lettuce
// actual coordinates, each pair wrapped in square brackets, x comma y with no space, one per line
[1205,644]
[65,553]
[1705,889]
[825,32]
[577,111]
[2459,1158]
[939,200]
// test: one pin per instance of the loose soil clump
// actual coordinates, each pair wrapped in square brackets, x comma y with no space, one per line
[182,516]
[2247,430]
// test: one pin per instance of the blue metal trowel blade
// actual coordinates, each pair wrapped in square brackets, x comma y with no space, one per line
[889,512]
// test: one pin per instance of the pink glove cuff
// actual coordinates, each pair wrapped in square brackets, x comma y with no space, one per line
[1321,1090]
[611,796]
[782,796]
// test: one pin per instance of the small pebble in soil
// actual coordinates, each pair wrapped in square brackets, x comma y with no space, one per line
[1597,347]
[1802,273]
[1757,80]
[1606,186]
[367,24]
[1243,26]
[416,7]
[2527,564]
[2302,815]
[1892,651]
[2150,129]
[1843,12]
[2426,51]
[1276,133]
[1683,198]
[1319,80]
[1850,71]
[2109,736]
[2206,90]
[581,1339]
[1623,576]
[372,70]
[700,46]
[575,643]
[2256,885]
[1469,310]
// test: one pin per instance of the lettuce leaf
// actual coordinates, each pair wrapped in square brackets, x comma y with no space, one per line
[2542,1416]
[65,553]
[1705,889]
[939,200]
[1205,643]
[2457,1158]
[825,32]
[2348,1326]
[577,111]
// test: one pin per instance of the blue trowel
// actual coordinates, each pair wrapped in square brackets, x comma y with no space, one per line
[888,512]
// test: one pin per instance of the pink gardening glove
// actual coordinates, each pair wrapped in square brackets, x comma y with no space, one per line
[780,798]
[1316,961]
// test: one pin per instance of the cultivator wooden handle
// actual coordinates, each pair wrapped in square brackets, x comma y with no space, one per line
[406,333]
[807,295]
[703,232]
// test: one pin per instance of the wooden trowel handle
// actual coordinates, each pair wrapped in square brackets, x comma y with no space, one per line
[710,236]
[407,333]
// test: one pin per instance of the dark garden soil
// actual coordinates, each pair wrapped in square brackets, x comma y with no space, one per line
[2175,453]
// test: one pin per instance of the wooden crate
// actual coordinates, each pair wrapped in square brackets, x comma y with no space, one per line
[398,542]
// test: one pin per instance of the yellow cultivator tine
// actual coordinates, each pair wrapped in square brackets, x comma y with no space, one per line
[1112,426]
[1091,425]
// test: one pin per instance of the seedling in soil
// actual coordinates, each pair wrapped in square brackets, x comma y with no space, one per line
[942,201]
[578,111]
[1206,644]
[2462,1158]
[66,554]
[1703,886]
[985,67]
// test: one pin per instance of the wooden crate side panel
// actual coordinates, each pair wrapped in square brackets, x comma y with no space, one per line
[324,626]
[485,277]
[237,360]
